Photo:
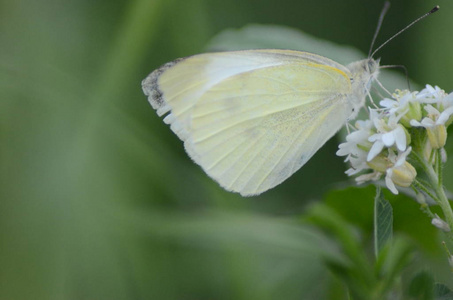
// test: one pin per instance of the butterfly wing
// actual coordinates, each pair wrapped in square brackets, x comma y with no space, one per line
[250,119]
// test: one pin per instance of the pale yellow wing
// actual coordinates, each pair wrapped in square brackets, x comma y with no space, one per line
[250,119]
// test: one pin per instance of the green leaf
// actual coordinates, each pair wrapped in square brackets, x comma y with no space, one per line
[356,205]
[383,221]
[421,286]
[442,292]
[392,261]
[354,269]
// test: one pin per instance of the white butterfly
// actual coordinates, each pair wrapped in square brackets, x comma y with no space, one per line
[252,118]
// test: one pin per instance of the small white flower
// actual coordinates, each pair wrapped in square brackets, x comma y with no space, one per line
[358,164]
[401,173]
[430,94]
[434,124]
[434,118]
[352,141]
[389,133]
[381,144]
[400,103]
[355,147]
[447,101]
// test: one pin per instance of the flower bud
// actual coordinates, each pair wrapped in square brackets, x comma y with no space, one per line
[414,113]
[437,136]
[421,199]
[443,155]
[404,175]
[380,163]
[427,151]
[441,224]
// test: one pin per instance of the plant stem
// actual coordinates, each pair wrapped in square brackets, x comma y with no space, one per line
[442,199]
[422,186]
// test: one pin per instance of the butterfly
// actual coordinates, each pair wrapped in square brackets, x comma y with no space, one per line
[252,118]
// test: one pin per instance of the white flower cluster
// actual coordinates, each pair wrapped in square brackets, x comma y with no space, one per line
[382,143]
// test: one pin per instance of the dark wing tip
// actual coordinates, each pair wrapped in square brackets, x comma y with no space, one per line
[150,84]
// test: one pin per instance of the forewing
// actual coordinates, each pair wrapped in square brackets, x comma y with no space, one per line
[250,119]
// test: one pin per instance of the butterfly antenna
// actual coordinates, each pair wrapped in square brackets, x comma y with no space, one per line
[436,8]
[401,67]
[378,27]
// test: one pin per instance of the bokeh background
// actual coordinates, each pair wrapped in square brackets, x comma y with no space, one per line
[98,198]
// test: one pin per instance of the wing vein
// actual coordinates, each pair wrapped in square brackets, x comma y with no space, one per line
[248,163]
[289,146]
[228,153]
[256,117]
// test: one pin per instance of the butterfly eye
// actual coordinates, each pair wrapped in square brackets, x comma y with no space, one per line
[371,66]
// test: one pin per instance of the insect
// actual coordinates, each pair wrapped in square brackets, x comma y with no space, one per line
[252,118]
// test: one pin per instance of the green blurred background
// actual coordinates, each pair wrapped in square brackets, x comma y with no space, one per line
[98,198]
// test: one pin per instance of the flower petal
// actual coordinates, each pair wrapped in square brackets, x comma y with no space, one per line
[388,139]
[388,103]
[400,137]
[428,122]
[416,123]
[431,110]
[444,116]
[389,182]
[343,149]
[375,137]
[401,158]
[375,150]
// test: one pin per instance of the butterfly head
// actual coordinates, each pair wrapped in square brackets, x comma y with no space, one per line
[363,73]
[371,72]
